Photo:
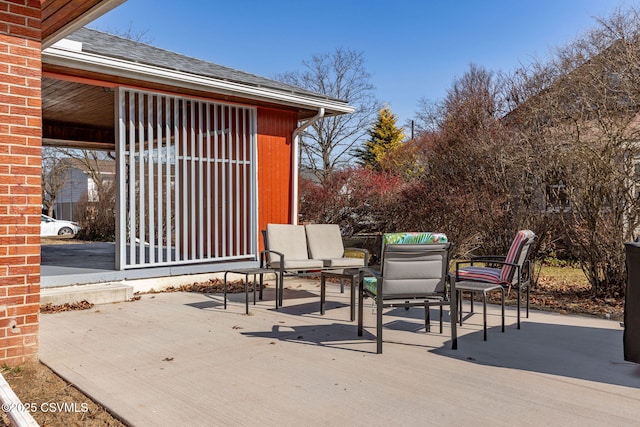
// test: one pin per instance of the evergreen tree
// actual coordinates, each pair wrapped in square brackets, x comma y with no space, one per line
[384,138]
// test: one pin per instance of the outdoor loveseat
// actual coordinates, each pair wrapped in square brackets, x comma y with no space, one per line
[304,249]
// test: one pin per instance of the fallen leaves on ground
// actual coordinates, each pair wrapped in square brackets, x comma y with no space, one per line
[212,286]
[51,308]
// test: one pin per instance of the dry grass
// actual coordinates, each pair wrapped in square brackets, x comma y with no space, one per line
[56,402]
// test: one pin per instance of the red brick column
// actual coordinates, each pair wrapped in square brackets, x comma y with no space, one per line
[20,171]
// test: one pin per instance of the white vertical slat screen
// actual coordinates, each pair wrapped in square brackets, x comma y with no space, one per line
[189,171]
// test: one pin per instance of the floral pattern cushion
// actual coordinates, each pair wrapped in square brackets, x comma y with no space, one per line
[370,284]
[413,238]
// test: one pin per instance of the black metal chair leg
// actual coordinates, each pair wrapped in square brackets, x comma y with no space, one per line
[352,300]
[519,298]
[460,311]
[323,282]
[224,290]
[246,294]
[379,325]
[427,317]
[360,306]
[502,292]
[255,283]
[484,314]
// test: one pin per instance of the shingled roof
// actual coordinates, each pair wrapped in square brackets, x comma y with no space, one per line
[109,45]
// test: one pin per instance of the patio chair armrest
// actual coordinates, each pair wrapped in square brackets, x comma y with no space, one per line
[488,257]
[459,263]
[493,260]
[501,263]
[263,257]
[362,251]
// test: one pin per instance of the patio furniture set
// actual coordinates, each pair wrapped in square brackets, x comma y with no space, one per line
[413,272]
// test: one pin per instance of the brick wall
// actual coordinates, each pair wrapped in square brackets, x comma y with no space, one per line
[20,171]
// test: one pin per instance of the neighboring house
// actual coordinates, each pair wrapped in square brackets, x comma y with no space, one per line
[80,186]
[589,112]
[206,155]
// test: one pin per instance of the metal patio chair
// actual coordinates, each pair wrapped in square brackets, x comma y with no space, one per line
[497,273]
[412,274]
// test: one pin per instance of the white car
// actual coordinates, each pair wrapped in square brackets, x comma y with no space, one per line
[57,227]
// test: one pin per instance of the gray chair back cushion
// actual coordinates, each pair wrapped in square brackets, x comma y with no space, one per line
[325,241]
[288,239]
[414,271]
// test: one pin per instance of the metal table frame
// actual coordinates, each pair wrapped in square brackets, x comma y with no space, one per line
[352,274]
[248,272]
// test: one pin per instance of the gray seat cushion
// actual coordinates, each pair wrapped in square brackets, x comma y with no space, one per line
[299,264]
[343,262]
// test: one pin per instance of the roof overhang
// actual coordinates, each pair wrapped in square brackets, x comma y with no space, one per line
[63,17]
[68,55]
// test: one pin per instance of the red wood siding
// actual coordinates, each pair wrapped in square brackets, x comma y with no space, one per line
[20,188]
[274,166]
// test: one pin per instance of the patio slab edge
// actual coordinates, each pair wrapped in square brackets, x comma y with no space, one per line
[101,293]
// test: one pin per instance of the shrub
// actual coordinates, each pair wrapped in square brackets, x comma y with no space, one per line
[97,219]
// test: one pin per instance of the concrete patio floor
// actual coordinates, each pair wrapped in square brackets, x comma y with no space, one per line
[180,359]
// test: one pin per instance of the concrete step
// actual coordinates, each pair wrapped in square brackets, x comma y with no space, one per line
[100,293]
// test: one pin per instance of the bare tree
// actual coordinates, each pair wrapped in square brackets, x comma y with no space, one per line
[55,172]
[580,113]
[473,179]
[130,33]
[428,117]
[91,162]
[95,211]
[329,143]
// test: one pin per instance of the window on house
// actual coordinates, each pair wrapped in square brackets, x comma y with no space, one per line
[636,178]
[556,194]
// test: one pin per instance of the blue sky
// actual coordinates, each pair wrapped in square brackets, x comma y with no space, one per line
[413,49]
